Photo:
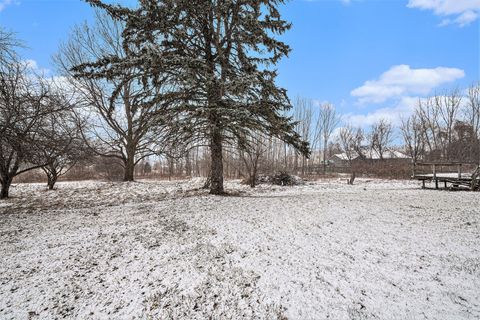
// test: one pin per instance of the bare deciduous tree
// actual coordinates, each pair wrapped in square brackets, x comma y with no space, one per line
[472,108]
[449,108]
[350,140]
[413,137]
[428,117]
[437,116]
[251,150]
[62,145]
[303,115]
[8,45]
[24,104]
[329,120]
[125,114]
[381,136]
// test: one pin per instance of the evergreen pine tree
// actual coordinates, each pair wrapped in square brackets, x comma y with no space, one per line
[222,53]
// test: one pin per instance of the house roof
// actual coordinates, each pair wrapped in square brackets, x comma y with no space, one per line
[344,156]
[373,155]
[389,154]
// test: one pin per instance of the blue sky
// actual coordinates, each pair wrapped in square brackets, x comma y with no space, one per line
[370,58]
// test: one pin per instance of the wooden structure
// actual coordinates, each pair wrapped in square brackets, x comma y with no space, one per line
[457,175]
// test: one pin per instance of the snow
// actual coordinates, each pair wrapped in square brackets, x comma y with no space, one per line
[388,154]
[445,175]
[372,154]
[168,250]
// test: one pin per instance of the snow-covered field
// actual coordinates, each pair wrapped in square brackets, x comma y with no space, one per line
[168,250]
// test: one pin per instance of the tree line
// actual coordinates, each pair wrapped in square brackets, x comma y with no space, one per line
[440,128]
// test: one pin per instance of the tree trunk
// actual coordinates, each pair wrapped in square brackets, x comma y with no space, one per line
[6,182]
[253,177]
[207,183]
[51,180]
[352,178]
[325,160]
[295,164]
[216,185]
[129,170]
[303,165]
[188,164]
[197,162]
[128,173]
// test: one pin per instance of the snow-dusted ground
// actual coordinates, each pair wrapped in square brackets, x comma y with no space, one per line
[166,250]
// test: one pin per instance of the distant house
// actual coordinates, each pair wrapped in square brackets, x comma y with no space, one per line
[341,159]
[371,154]
[368,154]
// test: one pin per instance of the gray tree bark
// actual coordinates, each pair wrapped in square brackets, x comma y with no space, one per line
[216,183]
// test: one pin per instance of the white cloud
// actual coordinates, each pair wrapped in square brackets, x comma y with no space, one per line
[33,66]
[349,2]
[5,3]
[399,110]
[402,80]
[461,12]
[466,18]
[394,114]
